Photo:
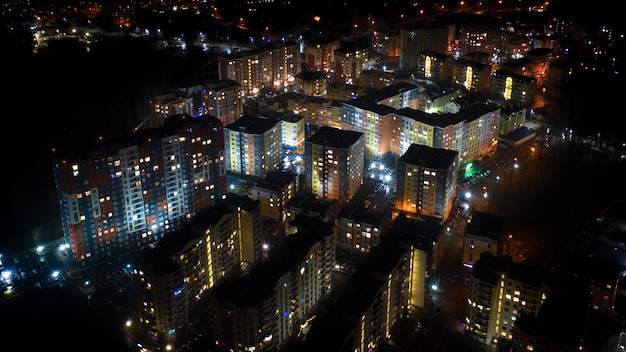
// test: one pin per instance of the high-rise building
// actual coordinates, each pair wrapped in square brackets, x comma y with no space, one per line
[253,145]
[268,67]
[333,163]
[434,36]
[119,195]
[172,276]
[435,66]
[262,310]
[274,191]
[225,100]
[427,179]
[500,291]
[319,55]
[391,283]
[350,60]
[506,85]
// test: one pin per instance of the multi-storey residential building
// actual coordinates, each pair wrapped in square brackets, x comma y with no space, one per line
[375,78]
[172,276]
[425,240]
[506,85]
[434,36]
[350,60]
[484,232]
[513,117]
[392,282]
[483,37]
[311,83]
[475,76]
[386,42]
[225,100]
[313,207]
[169,278]
[319,55]
[359,226]
[262,310]
[318,111]
[170,104]
[482,128]
[270,67]
[293,129]
[376,115]
[253,146]
[435,66]
[333,163]
[499,292]
[274,192]
[436,98]
[119,195]
[427,179]
[468,129]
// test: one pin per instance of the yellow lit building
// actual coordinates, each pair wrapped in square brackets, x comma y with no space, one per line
[253,146]
[333,161]
[427,179]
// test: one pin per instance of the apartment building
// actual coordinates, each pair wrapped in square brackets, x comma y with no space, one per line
[474,75]
[392,282]
[225,100]
[427,179]
[120,195]
[435,66]
[484,232]
[274,192]
[319,55]
[333,163]
[350,59]
[253,146]
[261,311]
[506,85]
[173,276]
[417,37]
[273,66]
[500,291]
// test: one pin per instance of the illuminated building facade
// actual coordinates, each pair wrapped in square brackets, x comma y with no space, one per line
[333,163]
[433,36]
[274,191]
[317,111]
[270,67]
[436,98]
[170,104]
[479,38]
[386,43]
[311,83]
[224,100]
[473,75]
[350,60]
[319,55]
[427,179]
[392,282]
[172,276]
[253,145]
[293,129]
[360,227]
[435,66]
[119,195]
[262,310]
[506,85]
[499,292]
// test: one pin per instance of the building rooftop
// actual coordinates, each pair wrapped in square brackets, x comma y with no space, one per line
[434,158]
[334,137]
